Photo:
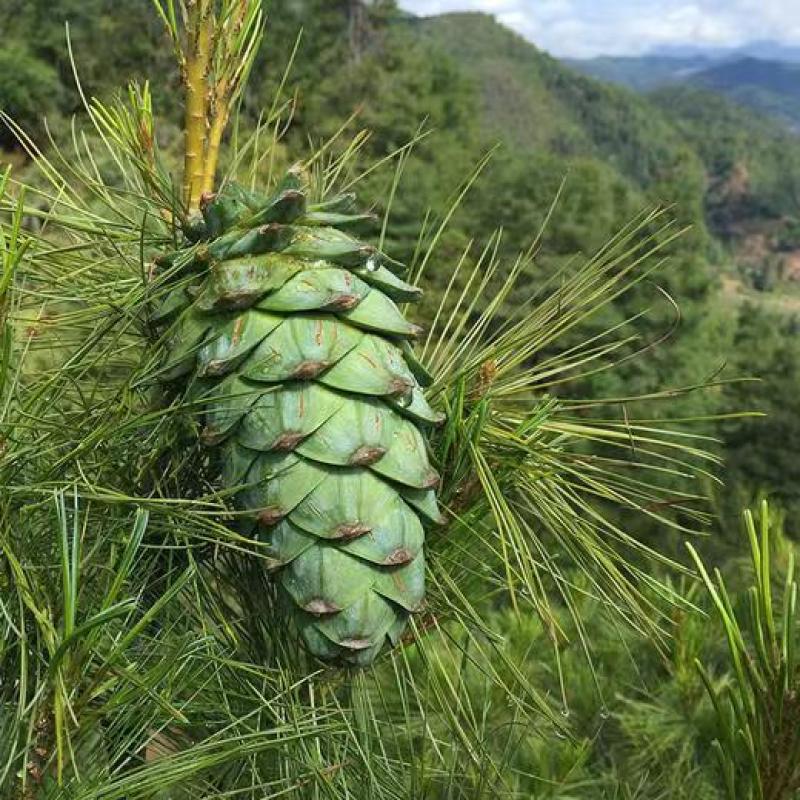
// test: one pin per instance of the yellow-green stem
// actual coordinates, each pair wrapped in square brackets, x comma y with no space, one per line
[200,31]
[218,125]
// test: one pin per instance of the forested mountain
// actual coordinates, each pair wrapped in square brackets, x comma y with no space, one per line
[758,48]
[731,178]
[642,73]
[761,82]
[772,87]
[734,176]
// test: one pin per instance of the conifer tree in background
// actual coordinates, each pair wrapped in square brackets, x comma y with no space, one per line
[758,744]
[212,411]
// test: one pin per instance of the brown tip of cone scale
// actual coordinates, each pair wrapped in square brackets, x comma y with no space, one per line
[309,369]
[270,516]
[400,556]
[207,198]
[352,530]
[344,302]
[288,441]
[399,387]
[215,367]
[366,455]
[320,607]
[355,644]
[233,300]
[431,481]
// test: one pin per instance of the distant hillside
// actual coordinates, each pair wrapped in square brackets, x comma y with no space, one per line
[641,73]
[752,162]
[677,62]
[533,101]
[767,85]
[765,49]
[682,144]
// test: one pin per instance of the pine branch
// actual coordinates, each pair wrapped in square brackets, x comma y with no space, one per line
[238,36]
[758,715]
[215,53]
[199,35]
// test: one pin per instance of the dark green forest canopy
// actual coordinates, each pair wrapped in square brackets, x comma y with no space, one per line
[726,173]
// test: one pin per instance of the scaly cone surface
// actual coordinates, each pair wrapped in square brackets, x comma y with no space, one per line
[285,328]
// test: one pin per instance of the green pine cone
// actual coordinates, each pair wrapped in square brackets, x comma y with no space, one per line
[290,335]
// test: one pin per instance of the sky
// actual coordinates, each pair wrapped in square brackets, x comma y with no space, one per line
[583,28]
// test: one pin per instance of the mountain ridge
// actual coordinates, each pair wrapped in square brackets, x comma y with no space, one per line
[744,180]
[767,49]
[770,86]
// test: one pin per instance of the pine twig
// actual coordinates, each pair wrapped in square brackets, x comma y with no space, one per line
[215,55]
[200,35]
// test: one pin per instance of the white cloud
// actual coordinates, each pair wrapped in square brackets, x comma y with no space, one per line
[589,27]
